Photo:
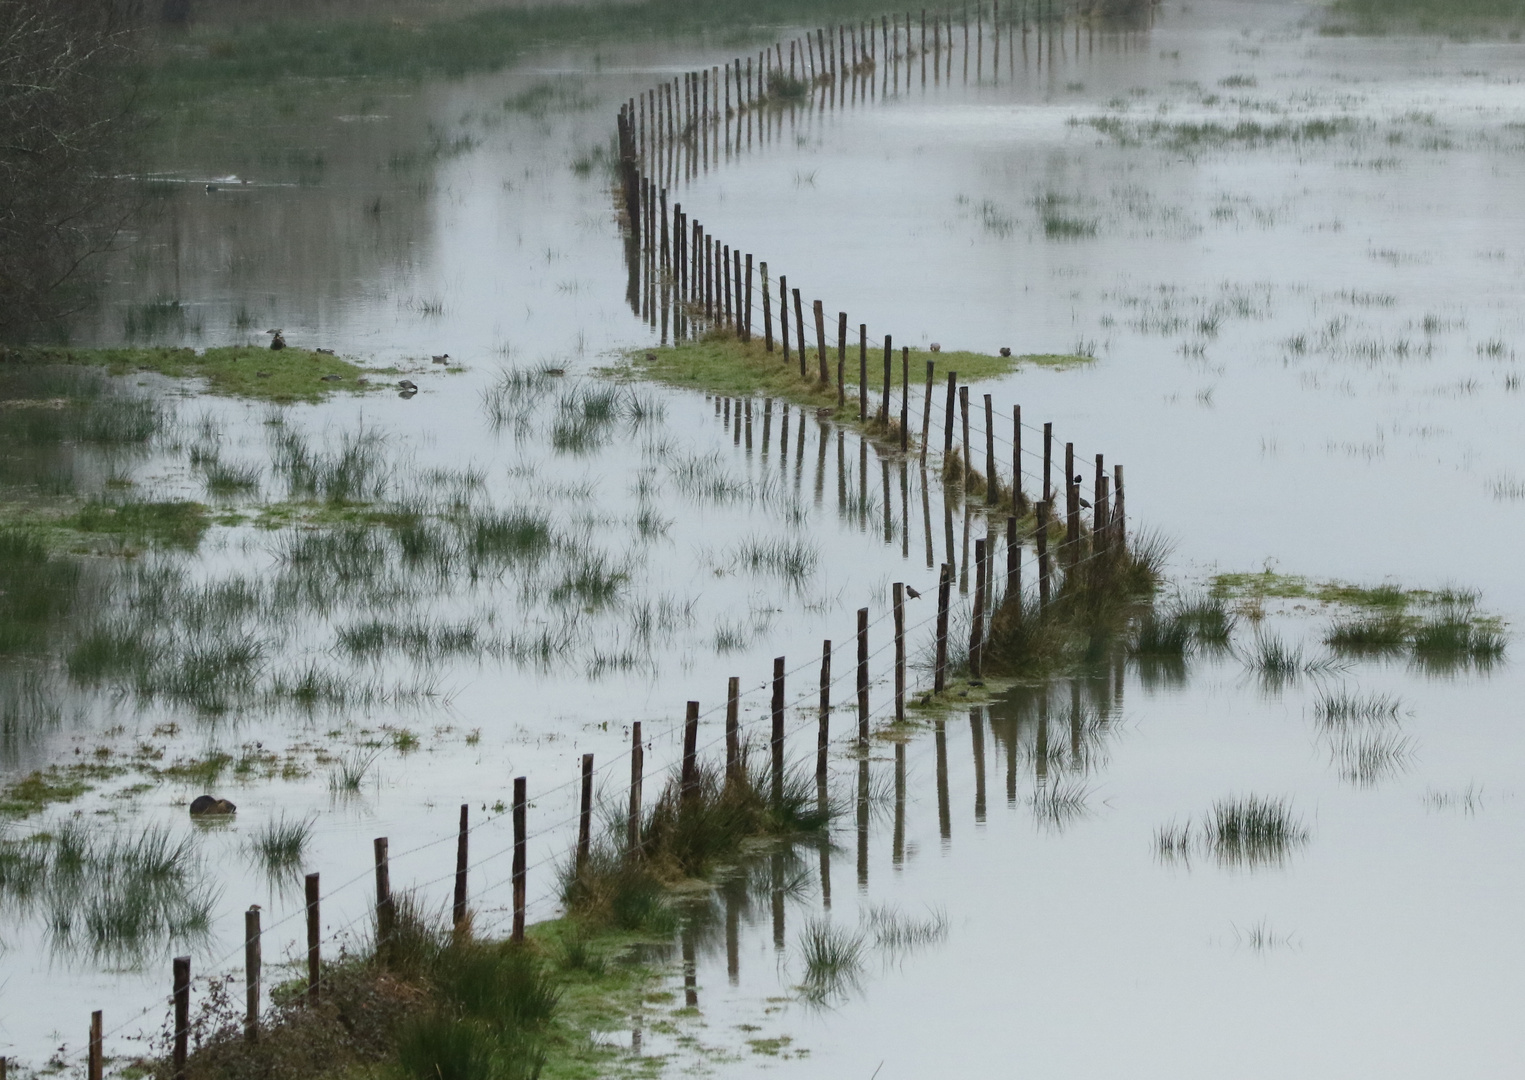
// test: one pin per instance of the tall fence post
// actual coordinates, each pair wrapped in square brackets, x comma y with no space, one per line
[799,334]
[862,364]
[733,729]
[823,734]
[314,939]
[1048,463]
[992,485]
[253,961]
[182,998]
[977,623]
[926,411]
[767,308]
[384,909]
[944,582]
[746,307]
[1016,460]
[690,776]
[898,594]
[637,763]
[585,814]
[521,804]
[820,345]
[93,1060]
[905,397]
[863,676]
[1041,537]
[783,314]
[778,730]
[948,417]
[1013,564]
[462,840]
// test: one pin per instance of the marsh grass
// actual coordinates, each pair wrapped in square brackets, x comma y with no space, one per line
[833,958]
[173,524]
[109,897]
[1278,664]
[1365,759]
[1252,831]
[1342,707]
[1060,803]
[356,470]
[793,561]
[898,933]
[37,589]
[280,845]
[349,774]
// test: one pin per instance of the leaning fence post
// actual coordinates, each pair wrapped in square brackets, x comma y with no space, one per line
[585,814]
[458,909]
[905,396]
[778,730]
[823,734]
[182,998]
[944,581]
[963,405]
[767,308]
[252,964]
[898,594]
[93,1061]
[314,939]
[690,780]
[799,334]
[926,412]
[733,729]
[521,801]
[863,676]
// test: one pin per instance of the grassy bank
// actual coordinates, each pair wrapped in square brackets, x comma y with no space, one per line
[1482,18]
[723,365]
[248,371]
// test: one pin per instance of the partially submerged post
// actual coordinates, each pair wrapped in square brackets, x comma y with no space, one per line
[898,598]
[823,734]
[863,676]
[182,999]
[977,623]
[992,487]
[944,583]
[93,1060]
[778,730]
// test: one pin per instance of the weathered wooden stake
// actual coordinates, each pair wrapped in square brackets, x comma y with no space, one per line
[1119,520]
[690,780]
[1041,536]
[462,863]
[992,486]
[963,411]
[767,309]
[314,940]
[778,730]
[820,344]
[898,595]
[841,358]
[823,734]
[521,855]
[889,370]
[783,313]
[862,366]
[585,814]
[863,676]
[948,416]
[182,998]
[633,819]
[799,334]
[733,729]
[926,411]
[1013,564]
[944,583]
[746,308]
[385,911]
[905,399]
[252,964]
[977,623]
[1048,463]
[93,1061]
[1071,508]
[1017,499]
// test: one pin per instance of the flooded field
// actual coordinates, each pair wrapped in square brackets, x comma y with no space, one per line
[1266,831]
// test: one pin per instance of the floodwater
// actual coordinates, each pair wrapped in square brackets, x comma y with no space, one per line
[1306,340]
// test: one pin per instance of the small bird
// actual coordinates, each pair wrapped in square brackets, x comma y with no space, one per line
[935,347]
[407,386]
[1085,505]
[325,352]
[332,378]
[443,359]
[555,371]
[1005,351]
[912,593]
[277,340]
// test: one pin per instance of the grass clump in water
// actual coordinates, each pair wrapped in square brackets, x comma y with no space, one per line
[172,524]
[1456,18]
[280,845]
[37,589]
[1253,831]
[247,371]
[833,958]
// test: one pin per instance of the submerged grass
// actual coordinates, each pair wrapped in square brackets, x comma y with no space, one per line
[1483,18]
[246,371]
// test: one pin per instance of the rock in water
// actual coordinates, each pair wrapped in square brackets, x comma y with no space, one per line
[207,805]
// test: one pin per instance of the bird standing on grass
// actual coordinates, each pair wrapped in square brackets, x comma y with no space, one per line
[277,341]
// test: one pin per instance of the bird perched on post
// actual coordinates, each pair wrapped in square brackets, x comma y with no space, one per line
[277,341]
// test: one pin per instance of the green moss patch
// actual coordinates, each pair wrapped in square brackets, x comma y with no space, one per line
[1482,18]
[171,524]
[248,371]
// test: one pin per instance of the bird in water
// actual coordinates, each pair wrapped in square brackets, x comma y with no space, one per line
[277,340]
[444,359]
[407,387]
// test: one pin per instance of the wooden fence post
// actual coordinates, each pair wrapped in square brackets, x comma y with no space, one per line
[926,411]
[963,409]
[746,307]
[1016,460]
[783,313]
[948,417]
[462,840]
[93,1060]
[521,852]
[1041,536]
[862,365]
[944,581]
[767,308]
[889,371]
[314,939]
[690,780]
[863,676]
[820,344]
[992,485]
[977,623]
[1013,563]
[823,734]
[1048,463]
[253,958]
[385,910]
[585,814]
[733,729]
[1119,520]
[778,729]
[633,821]
[898,596]
[905,397]
[182,998]
[799,334]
